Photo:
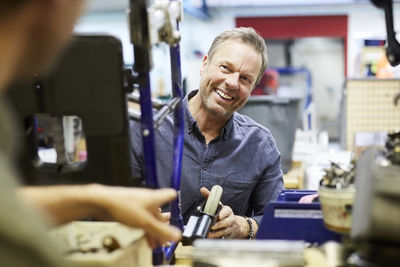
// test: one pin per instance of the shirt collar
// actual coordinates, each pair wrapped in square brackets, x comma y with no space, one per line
[191,122]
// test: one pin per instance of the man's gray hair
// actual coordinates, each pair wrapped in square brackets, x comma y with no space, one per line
[248,36]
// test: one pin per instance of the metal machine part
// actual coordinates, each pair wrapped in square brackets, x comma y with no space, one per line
[199,224]
[376,211]
[393,148]
[339,177]
[150,25]
[393,46]
[233,253]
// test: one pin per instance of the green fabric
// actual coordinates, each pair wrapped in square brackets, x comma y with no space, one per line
[24,239]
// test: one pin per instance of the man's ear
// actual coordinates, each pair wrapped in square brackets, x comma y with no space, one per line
[203,64]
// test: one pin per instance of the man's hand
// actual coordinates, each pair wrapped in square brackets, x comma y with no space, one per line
[228,224]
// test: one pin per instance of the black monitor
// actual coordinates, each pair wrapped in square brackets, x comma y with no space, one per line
[88,83]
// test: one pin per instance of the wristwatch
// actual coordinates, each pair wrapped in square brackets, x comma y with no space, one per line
[251,231]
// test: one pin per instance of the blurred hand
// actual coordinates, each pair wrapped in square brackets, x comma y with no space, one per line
[308,199]
[135,207]
[165,216]
[138,207]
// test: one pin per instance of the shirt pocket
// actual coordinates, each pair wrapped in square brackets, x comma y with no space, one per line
[237,193]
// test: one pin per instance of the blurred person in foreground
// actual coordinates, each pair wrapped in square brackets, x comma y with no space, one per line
[31,34]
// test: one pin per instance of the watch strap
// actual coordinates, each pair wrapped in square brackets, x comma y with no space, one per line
[251,229]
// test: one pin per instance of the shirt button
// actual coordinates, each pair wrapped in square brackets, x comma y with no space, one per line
[205,166]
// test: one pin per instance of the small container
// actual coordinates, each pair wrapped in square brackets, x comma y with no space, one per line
[337,206]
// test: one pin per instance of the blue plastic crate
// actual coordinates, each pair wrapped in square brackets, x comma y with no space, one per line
[289,220]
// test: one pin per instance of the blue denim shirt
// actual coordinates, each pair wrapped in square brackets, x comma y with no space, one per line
[243,159]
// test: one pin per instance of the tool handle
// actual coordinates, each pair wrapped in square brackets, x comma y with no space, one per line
[213,200]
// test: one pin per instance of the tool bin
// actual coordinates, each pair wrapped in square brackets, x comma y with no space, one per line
[287,219]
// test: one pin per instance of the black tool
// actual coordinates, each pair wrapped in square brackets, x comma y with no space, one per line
[200,223]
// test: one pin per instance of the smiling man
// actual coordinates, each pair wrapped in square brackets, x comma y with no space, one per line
[222,146]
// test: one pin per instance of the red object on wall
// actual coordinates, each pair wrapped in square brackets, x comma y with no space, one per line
[299,27]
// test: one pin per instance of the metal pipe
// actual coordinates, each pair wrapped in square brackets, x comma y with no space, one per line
[169,252]
[157,104]
[160,115]
[176,213]
[141,41]
[165,110]
[146,119]
[134,114]
[179,132]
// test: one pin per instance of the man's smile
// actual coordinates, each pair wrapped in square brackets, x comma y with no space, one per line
[223,95]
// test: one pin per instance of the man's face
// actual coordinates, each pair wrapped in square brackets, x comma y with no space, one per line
[50,34]
[228,77]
